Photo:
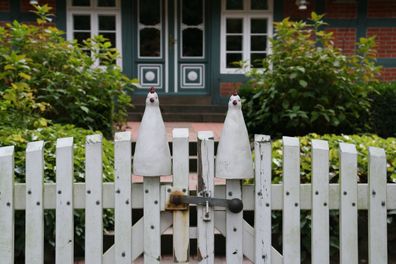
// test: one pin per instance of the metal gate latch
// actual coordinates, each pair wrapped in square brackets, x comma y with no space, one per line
[180,202]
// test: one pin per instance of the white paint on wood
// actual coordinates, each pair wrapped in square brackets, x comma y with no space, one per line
[181,219]
[137,234]
[247,194]
[205,187]
[320,202]
[151,214]
[34,245]
[123,197]
[152,155]
[7,205]
[234,156]
[64,202]
[291,201]
[348,207]
[93,200]
[262,194]
[234,222]
[248,238]
[377,213]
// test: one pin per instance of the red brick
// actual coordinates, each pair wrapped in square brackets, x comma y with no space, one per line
[340,10]
[4,5]
[227,88]
[290,9]
[26,6]
[386,41]
[344,39]
[381,9]
[388,74]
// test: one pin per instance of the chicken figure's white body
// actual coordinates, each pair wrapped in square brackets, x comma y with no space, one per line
[152,155]
[234,157]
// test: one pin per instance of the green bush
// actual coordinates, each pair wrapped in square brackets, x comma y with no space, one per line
[43,75]
[383,109]
[308,85]
[362,142]
[20,137]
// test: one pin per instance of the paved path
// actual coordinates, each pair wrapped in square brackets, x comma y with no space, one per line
[193,128]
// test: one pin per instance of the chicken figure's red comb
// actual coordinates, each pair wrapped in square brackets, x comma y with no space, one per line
[152,90]
[235,93]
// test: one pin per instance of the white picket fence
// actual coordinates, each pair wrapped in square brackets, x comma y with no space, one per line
[252,242]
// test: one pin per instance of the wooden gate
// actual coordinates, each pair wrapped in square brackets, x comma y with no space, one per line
[243,240]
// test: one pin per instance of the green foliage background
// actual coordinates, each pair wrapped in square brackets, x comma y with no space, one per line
[308,85]
[383,109]
[43,76]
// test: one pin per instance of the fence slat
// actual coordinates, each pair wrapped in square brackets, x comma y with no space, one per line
[7,205]
[291,200]
[93,200]
[151,212]
[137,234]
[234,251]
[64,202]
[205,147]
[377,212]
[262,214]
[320,202]
[123,197]
[348,207]
[181,219]
[34,250]
[248,238]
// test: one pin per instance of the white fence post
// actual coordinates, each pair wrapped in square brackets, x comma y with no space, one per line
[181,219]
[123,197]
[291,201]
[320,202]
[7,205]
[34,250]
[378,249]
[234,221]
[348,207]
[152,232]
[205,149]
[64,202]
[93,202]
[262,214]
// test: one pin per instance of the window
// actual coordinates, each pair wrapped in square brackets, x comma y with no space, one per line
[246,28]
[150,29]
[87,18]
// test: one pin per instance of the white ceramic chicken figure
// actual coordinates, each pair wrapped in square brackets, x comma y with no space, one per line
[152,155]
[234,157]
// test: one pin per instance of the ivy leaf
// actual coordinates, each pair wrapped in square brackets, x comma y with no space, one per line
[303,83]
[85,109]
[25,76]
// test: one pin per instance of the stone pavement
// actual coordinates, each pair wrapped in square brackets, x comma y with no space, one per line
[193,129]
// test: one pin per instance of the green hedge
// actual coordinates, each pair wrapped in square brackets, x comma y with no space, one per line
[19,138]
[383,109]
[362,142]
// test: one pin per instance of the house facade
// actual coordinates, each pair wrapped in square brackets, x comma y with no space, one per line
[187,47]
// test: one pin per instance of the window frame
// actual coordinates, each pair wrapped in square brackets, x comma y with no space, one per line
[94,12]
[246,14]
